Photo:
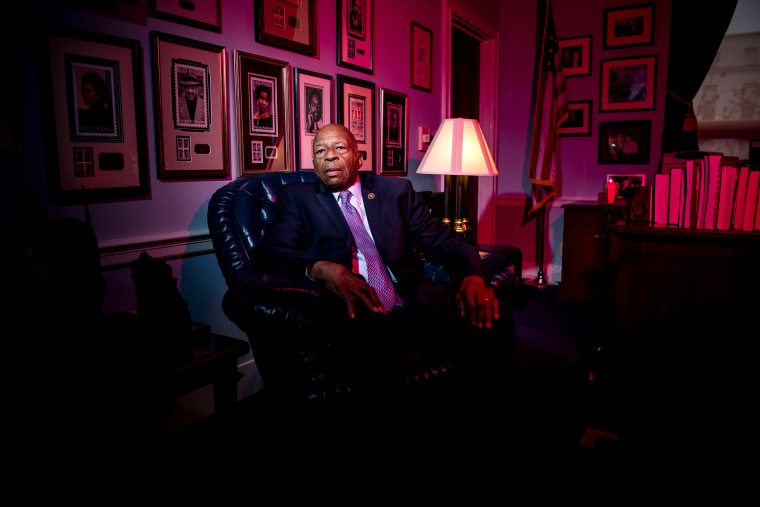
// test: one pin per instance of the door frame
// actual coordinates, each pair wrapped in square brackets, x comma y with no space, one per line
[457,15]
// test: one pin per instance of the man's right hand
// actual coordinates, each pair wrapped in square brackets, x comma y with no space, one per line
[346,286]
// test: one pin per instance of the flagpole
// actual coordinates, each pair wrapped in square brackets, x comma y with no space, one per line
[541,281]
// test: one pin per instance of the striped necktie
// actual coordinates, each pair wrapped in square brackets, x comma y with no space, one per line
[376,273]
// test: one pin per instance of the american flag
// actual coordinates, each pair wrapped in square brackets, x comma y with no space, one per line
[551,111]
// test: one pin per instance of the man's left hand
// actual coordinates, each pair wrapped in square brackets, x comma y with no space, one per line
[477,302]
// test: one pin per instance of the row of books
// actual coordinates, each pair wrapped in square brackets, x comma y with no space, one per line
[708,191]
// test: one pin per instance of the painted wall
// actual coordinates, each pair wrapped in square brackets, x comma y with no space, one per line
[176,210]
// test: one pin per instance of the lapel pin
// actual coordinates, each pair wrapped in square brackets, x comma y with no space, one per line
[370,196]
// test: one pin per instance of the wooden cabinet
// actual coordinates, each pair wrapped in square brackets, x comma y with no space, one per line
[685,289]
[586,249]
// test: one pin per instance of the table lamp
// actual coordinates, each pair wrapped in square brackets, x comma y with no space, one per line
[458,149]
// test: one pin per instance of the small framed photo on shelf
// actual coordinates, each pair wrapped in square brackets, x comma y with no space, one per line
[263,91]
[356,34]
[578,121]
[421,58]
[289,24]
[206,15]
[394,124]
[91,85]
[628,84]
[624,142]
[314,97]
[575,53]
[356,110]
[623,181]
[190,88]
[629,26]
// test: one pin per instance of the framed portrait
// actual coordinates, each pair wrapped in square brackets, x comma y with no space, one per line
[394,132]
[263,91]
[628,84]
[287,24]
[629,26]
[206,15]
[578,121]
[190,89]
[91,85]
[624,142]
[421,58]
[576,56]
[356,110]
[314,98]
[356,34]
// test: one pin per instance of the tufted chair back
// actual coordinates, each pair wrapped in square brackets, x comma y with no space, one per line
[238,214]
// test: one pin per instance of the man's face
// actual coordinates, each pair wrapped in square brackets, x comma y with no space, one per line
[336,156]
[191,91]
[315,107]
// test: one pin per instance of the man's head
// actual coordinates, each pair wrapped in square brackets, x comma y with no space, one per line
[336,156]
[190,83]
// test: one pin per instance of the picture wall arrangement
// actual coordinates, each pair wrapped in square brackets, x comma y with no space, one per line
[96,137]
[626,85]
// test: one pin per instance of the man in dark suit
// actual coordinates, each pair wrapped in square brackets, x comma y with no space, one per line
[311,238]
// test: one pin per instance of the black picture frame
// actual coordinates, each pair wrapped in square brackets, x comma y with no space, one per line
[578,122]
[108,162]
[628,84]
[629,26]
[613,138]
[206,15]
[264,145]
[394,133]
[575,55]
[356,110]
[356,35]
[308,85]
[421,58]
[287,25]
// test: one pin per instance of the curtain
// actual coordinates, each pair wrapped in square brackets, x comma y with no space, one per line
[695,37]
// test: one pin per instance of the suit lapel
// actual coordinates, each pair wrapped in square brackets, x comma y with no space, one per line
[332,212]
[372,209]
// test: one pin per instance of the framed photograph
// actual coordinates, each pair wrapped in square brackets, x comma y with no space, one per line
[190,89]
[206,14]
[91,86]
[421,58]
[314,97]
[629,26]
[263,98]
[356,34]
[623,181]
[356,110]
[628,84]
[624,142]
[578,121]
[394,125]
[576,56]
[287,24]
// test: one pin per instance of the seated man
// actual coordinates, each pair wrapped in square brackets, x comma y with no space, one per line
[355,235]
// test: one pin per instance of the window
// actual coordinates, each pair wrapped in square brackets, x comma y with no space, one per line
[727,105]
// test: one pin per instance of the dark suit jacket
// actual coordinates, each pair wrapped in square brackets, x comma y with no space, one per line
[310,227]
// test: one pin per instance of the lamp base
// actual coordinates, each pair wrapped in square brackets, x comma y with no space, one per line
[461,225]
[540,281]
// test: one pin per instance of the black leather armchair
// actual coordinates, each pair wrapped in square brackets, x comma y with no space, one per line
[275,311]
